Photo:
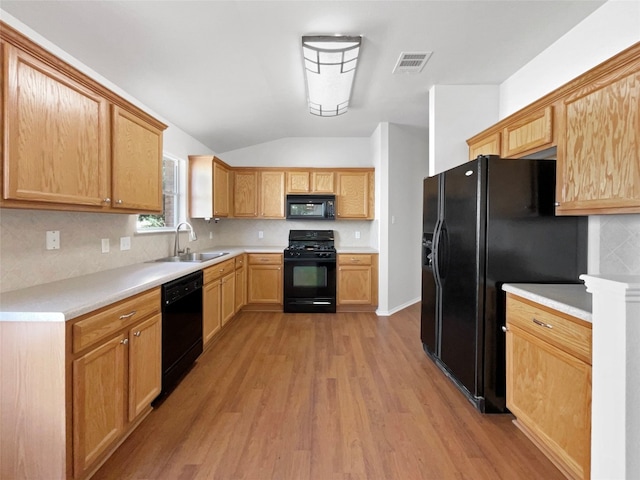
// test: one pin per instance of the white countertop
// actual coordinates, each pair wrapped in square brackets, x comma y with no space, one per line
[572,299]
[67,299]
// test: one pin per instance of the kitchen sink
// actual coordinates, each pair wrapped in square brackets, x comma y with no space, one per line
[193,257]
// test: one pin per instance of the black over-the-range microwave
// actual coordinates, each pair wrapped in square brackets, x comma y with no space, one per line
[311,207]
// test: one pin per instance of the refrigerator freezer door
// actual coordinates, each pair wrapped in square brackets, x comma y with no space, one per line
[429,325]
[460,341]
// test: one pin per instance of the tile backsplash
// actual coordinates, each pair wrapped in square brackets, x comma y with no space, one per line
[620,244]
[24,260]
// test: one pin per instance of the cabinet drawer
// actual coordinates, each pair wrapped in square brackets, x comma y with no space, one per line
[346,259]
[563,331]
[216,271]
[108,320]
[240,261]
[265,258]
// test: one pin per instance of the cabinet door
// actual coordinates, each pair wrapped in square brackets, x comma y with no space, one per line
[264,284]
[549,391]
[241,288]
[272,194]
[489,145]
[99,384]
[245,194]
[136,163]
[211,310]
[354,285]
[298,182]
[532,133]
[221,190]
[145,365]
[227,297]
[322,181]
[354,198]
[56,136]
[599,153]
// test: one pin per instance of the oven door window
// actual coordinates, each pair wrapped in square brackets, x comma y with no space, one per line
[310,276]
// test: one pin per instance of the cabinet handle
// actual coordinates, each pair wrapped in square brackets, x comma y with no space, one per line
[119,202]
[505,329]
[355,260]
[137,334]
[557,204]
[542,324]
[106,200]
[124,341]
[128,315]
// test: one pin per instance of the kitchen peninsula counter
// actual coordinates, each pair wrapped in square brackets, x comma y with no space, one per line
[67,299]
[571,299]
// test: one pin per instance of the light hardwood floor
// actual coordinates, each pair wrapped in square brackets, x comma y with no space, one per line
[323,397]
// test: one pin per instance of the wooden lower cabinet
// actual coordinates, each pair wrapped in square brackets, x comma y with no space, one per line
[211,323]
[549,382]
[241,283]
[357,280]
[227,297]
[99,380]
[115,378]
[264,279]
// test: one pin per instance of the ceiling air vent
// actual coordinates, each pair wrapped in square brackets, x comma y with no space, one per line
[411,62]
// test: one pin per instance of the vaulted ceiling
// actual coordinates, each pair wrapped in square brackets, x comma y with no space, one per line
[229,73]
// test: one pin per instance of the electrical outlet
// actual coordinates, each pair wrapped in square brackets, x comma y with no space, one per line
[357,234]
[53,239]
[105,245]
[260,234]
[125,243]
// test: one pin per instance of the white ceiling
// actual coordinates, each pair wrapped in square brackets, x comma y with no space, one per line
[229,73]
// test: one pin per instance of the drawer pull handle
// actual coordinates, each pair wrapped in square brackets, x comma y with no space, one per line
[128,315]
[124,341]
[137,334]
[542,324]
[505,329]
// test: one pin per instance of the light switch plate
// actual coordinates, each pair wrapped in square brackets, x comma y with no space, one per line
[125,243]
[53,239]
[105,245]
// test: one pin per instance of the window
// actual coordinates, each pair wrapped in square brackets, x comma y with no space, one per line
[172,197]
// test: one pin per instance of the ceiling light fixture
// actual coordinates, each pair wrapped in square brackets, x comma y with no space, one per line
[330,66]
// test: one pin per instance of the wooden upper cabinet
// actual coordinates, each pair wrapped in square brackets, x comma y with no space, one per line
[209,187]
[311,181]
[245,193]
[56,140]
[599,151]
[298,182]
[136,164]
[69,143]
[272,194]
[355,194]
[533,132]
[221,189]
[485,145]
[323,181]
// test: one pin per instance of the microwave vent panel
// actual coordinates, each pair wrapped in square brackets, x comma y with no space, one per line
[411,62]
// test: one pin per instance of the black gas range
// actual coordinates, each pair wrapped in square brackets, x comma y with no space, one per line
[310,272]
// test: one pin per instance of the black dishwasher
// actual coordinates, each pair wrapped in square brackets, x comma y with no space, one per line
[181,328]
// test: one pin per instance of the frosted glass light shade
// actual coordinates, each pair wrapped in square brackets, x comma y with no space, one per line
[330,67]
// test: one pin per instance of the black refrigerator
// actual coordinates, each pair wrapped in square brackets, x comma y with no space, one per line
[488,222]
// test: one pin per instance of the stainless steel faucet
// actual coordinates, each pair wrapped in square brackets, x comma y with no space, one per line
[176,245]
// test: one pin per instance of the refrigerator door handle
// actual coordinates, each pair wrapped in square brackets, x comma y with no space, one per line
[436,253]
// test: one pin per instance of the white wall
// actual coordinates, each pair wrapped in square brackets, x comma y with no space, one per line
[303,152]
[457,112]
[606,32]
[408,165]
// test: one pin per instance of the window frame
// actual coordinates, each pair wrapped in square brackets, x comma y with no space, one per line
[180,195]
